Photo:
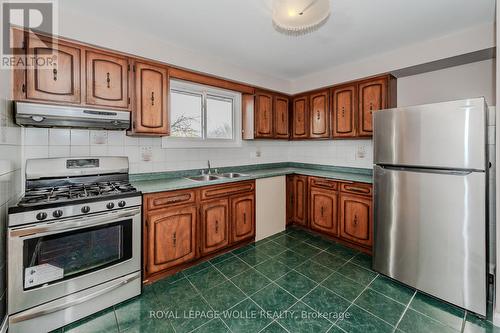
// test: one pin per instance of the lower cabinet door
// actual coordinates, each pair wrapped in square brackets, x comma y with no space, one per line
[171,237]
[214,225]
[300,200]
[289,199]
[323,210]
[356,219]
[243,218]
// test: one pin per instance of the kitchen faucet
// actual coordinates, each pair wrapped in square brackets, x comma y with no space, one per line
[209,172]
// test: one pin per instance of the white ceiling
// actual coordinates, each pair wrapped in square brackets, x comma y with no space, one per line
[240,31]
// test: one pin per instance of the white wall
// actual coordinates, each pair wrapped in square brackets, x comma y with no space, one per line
[461,42]
[127,40]
[470,80]
[10,179]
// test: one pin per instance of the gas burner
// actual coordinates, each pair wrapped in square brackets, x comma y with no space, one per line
[42,195]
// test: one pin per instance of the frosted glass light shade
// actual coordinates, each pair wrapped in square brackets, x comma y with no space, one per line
[300,17]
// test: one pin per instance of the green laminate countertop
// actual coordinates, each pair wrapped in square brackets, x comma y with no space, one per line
[176,180]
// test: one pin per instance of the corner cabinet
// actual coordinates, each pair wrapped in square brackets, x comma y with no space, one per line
[300,118]
[319,115]
[338,209]
[150,116]
[184,227]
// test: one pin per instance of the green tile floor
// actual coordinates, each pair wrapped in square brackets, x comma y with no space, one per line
[318,285]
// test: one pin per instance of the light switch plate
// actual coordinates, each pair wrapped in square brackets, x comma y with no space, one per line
[361,152]
[146,154]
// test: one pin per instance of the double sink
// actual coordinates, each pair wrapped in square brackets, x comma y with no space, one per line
[212,177]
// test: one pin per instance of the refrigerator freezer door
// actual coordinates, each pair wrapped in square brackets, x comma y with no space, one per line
[430,233]
[442,135]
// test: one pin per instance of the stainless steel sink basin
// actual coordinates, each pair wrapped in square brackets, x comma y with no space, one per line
[203,178]
[232,175]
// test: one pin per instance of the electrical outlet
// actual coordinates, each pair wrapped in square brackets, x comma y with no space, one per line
[146,154]
[361,152]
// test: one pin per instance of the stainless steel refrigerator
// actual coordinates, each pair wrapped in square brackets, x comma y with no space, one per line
[430,199]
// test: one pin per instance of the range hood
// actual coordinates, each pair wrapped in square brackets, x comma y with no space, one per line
[46,115]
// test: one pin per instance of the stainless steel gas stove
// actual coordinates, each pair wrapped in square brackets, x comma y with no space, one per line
[74,242]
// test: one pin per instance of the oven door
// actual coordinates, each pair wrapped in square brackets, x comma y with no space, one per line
[55,259]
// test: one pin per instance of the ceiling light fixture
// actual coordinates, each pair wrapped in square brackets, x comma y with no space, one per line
[300,17]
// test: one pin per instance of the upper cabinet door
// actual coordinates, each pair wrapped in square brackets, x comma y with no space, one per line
[151,113]
[263,115]
[319,115]
[56,78]
[300,114]
[281,117]
[106,80]
[343,103]
[372,97]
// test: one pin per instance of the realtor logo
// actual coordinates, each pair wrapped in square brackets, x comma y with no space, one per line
[35,18]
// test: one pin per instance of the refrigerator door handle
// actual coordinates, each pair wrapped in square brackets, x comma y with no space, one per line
[430,170]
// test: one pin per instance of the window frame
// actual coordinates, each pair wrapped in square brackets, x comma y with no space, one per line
[205,91]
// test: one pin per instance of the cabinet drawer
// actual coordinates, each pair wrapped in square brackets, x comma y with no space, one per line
[164,199]
[226,189]
[324,183]
[356,188]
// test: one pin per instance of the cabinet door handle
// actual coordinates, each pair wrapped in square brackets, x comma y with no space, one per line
[318,115]
[357,189]
[355,220]
[152,98]
[282,117]
[174,239]
[108,79]
[244,218]
[216,226]
[322,210]
[343,112]
[54,71]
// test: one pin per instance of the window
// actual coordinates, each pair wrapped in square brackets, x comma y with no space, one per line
[202,116]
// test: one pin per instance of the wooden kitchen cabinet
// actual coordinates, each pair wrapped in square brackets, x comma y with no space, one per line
[290,193]
[150,116]
[281,128]
[214,225]
[300,118]
[299,200]
[185,227]
[323,210]
[171,237]
[263,115]
[59,82]
[372,96]
[343,108]
[242,217]
[319,115]
[356,219]
[107,80]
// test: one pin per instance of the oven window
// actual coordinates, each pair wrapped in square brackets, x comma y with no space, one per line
[62,256]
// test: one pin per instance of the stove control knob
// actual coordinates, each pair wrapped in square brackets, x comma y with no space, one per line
[110,205]
[41,216]
[57,213]
[121,203]
[85,209]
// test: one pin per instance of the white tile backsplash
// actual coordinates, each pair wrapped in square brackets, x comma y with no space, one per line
[80,137]
[59,137]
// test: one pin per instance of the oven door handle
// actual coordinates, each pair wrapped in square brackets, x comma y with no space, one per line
[50,228]
[47,309]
